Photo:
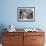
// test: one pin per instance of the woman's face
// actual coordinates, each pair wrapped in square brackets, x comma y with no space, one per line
[24,14]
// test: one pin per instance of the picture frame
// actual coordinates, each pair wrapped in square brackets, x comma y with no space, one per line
[26,14]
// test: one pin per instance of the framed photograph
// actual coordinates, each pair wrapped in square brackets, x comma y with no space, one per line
[26,14]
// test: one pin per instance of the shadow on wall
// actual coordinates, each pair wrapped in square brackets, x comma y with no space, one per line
[2,26]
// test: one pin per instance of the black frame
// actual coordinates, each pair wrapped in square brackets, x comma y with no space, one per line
[29,17]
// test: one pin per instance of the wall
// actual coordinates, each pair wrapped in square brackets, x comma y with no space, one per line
[8,13]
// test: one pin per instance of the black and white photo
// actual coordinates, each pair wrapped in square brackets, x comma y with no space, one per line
[25,13]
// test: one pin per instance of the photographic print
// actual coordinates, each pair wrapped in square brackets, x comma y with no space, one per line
[26,14]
